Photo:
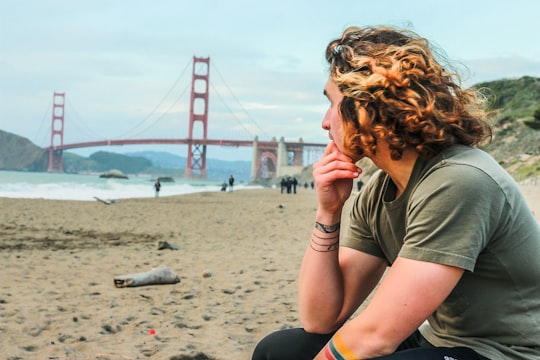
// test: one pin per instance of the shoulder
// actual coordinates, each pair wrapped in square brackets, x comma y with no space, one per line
[467,170]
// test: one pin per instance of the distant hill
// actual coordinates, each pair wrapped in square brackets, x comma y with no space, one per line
[216,169]
[516,97]
[511,104]
[162,159]
[18,153]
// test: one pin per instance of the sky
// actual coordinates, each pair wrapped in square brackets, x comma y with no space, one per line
[125,66]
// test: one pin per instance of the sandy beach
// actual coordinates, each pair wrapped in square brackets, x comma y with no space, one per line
[238,259]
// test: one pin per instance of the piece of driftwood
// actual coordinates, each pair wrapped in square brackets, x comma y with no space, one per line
[104,201]
[162,245]
[157,276]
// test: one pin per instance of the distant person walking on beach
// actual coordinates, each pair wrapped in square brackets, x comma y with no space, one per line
[283,184]
[231,183]
[157,187]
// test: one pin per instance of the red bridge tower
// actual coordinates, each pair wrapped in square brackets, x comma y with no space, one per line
[57,133]
[198,112]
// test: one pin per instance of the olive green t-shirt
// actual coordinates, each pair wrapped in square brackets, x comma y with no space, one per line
[462,209]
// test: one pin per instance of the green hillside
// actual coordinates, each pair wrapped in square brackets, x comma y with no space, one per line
[516,142]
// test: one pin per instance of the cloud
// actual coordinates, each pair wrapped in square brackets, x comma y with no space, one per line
[496,68]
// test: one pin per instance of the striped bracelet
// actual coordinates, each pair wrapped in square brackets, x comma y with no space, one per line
[336,349]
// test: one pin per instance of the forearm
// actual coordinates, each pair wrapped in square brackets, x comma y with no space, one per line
[410,292]
[321,289]
[322,282]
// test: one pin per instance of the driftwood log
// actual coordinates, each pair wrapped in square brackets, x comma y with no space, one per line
[158,276]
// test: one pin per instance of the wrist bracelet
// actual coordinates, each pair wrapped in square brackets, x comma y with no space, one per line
[325,238]
[327,229]
[325,247]
[333,243]
[335,349]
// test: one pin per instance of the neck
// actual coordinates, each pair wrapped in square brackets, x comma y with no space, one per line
[399,170]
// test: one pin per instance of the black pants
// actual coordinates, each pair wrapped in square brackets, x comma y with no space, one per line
[296,344]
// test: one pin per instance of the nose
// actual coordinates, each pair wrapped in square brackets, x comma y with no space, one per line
[326,122]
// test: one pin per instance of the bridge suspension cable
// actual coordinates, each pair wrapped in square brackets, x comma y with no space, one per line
[155,116]
[240,104]
[77,120]
[132,133]
[162,115]
[232,112]
[42,137]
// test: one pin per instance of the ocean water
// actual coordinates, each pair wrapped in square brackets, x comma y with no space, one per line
[34,185]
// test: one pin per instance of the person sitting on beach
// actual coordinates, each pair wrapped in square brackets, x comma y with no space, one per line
[443,222]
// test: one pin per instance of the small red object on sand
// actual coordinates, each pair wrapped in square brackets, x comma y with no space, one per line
[152,332]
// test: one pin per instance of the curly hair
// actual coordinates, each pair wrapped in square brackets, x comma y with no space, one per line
[394,89]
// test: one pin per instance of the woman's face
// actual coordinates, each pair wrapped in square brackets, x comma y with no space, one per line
[332,119]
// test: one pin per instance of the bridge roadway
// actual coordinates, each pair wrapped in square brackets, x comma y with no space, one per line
[186,141]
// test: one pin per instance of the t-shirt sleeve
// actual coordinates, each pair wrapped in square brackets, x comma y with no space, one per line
[449,215]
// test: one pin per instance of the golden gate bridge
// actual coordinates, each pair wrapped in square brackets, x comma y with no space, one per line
[270,158]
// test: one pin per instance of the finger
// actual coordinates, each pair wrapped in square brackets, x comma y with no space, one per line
[335,170]
[332,152]
[335,161]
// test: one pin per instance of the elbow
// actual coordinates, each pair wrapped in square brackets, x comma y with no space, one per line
[318,326]
[319,329]
[320,318]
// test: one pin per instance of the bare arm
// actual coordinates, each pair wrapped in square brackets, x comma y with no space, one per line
[333,283]
[409,293]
